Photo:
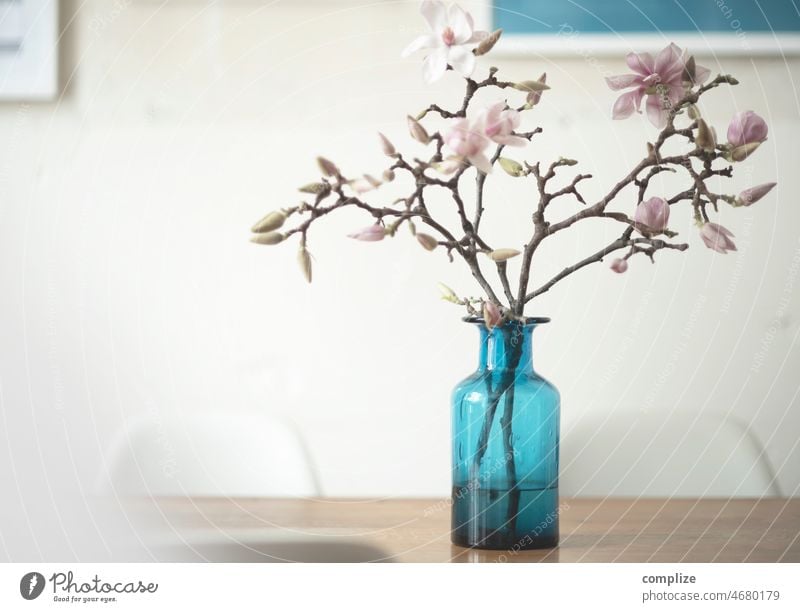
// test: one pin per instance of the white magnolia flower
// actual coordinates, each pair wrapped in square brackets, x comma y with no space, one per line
[452,38]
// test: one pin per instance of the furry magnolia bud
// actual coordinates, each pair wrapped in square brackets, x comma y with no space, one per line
[705,136]
[269,238]
[503,254]
[386,145]
[428,242]
[534,97]
[754,194]
[620,266]
[743,152]
[491,315]
[327,167]
[316,188]
[488,43]
[417,131]
[270,222]
[304,261]
[529,86]
[511,167]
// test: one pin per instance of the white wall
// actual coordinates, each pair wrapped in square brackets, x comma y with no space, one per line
[130,285]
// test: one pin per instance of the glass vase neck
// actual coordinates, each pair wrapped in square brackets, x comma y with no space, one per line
[508,346]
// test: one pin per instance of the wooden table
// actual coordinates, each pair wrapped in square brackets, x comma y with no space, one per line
[417,530]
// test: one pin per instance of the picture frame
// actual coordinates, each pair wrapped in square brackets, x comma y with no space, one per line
[28,50]
[600,27]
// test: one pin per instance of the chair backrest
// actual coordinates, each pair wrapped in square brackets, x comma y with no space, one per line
[231,454]
[663,455]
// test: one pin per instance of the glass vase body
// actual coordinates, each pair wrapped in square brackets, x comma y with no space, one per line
[505,430]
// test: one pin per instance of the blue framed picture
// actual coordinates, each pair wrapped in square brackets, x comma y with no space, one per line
[28,49]
[746,27]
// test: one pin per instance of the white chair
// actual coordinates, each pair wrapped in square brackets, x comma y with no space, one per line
[230,454]
[650,455]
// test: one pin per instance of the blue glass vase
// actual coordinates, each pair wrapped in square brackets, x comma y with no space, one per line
[505,446]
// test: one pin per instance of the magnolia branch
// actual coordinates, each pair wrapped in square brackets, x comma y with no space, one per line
[648,246]
[333,191]
[654,163]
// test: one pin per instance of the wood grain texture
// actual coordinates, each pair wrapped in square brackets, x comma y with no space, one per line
[611,530]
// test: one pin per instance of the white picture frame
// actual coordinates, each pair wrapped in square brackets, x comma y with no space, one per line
[754,44]
[28,50]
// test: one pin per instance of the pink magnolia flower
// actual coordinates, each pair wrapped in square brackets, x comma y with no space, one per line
[500,123]
[660,79]
[468,140]
[653,214]
[754,194]
[746,128]
[717,238]
[619,266]
[452,38]
[372,233]
[491,315]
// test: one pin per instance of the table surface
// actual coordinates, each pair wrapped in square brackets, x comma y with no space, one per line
[593,530]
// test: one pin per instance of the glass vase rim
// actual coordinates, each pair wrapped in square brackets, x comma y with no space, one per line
[526,321]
